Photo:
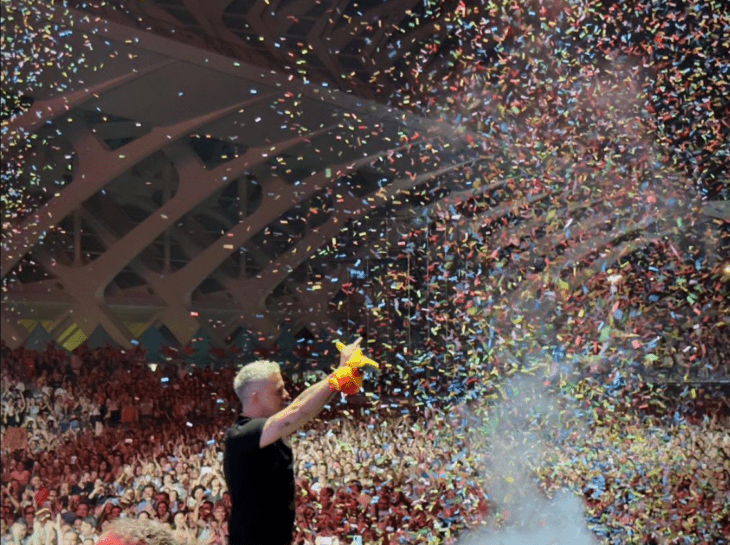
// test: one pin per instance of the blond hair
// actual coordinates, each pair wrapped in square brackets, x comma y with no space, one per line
[140,532]
[252,373]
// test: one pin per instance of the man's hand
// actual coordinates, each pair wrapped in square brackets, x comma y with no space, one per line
[352,356]
[346,352]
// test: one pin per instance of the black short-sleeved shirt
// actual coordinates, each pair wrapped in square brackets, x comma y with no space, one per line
[261,484]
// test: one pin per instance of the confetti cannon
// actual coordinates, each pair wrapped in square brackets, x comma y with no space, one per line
[348,378]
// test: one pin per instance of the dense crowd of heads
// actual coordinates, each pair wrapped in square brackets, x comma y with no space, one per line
[74,460]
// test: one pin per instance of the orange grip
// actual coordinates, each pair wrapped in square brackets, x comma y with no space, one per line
[346,380]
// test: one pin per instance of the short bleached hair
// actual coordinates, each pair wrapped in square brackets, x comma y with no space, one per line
[140,532]
[252,373]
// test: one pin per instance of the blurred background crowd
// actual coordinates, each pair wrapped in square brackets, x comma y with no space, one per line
[96,435]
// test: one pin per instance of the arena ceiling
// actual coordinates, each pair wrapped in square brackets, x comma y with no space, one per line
[220,164]
[185,177]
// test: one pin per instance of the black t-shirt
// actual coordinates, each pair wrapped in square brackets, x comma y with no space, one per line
[261,484]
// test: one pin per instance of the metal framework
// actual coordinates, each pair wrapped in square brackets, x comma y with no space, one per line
[203,153]
[128,115]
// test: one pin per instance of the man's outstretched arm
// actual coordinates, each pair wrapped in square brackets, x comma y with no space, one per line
[306,406]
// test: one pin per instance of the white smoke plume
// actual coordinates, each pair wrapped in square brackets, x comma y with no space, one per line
[517,434]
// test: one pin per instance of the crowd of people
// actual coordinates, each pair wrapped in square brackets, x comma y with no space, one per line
[95,436]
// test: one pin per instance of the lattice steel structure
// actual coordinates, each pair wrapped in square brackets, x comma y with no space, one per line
[179,186]
[184,162]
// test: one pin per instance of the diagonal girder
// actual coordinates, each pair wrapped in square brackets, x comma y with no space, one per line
[253,292]
[94,160]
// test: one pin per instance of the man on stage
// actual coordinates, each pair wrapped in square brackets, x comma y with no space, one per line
[258,461]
